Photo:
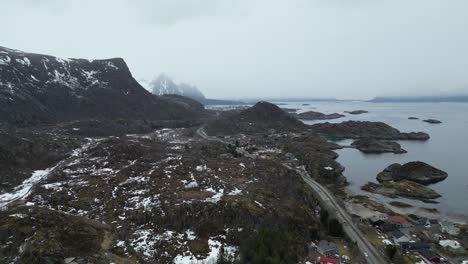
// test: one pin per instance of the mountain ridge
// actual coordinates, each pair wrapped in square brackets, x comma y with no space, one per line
[37,89]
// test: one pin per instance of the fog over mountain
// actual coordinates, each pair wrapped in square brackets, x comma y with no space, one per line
[255,48]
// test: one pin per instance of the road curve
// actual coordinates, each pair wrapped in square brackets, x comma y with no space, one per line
[372,255]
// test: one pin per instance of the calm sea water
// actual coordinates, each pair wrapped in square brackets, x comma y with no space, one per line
[447,149]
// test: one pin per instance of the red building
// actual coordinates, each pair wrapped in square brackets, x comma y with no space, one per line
[327,260]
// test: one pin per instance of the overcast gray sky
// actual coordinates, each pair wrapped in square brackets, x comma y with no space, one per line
[251,48]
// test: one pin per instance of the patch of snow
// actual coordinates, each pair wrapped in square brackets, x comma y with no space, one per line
[215,247]
[201,168]
[24,189]
[111,65]
[19,215]
[25,61]
[145,242]
[53,186]
[216,197]
[242,165]
[328,168]
[387,242]
[235,192]
[259,204]
[34,78]
[190,235]
[5,60]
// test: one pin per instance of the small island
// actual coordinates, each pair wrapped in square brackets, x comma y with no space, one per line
[374,146]
[432,121]
[413,118]
[415,171]
[312,115]
[357,112]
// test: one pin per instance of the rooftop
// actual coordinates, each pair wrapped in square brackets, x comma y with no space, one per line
[398,219]
[450,243]
[328,260]
[325,245]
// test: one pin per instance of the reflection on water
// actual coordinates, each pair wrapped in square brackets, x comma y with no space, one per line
[446,150]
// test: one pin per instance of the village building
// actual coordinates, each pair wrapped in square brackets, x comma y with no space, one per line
[387,227]
[416,220]
[327,260]
[430,256]
[327,248]
[399,221]
[452,246]
[397,237]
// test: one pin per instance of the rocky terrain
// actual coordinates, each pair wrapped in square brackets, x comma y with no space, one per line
[263,117]
[366,129]
[370,145]
[312,115]
[415,171]
[166,196]
[37,89]
[403,188]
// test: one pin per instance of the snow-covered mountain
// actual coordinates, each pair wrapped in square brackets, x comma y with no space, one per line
[38,89]
[164,85]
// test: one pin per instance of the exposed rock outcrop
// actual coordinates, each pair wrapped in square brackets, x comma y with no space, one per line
[402,188]
[415,171]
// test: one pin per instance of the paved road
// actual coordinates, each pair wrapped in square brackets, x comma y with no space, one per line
[372,255]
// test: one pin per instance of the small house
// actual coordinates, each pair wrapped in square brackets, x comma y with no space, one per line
[399,221]
[430,256]
[397,236]
[414,246]
[452,246]
[431,223]
[327,248]
[387,227]
[327,260]
[449,228]
[416,220]
[376,221]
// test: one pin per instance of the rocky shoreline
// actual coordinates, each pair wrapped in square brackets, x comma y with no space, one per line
[403,188]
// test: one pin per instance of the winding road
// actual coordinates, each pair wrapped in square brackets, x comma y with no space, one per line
[369,251]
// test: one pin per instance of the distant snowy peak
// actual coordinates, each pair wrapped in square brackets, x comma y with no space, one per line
[164,85]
